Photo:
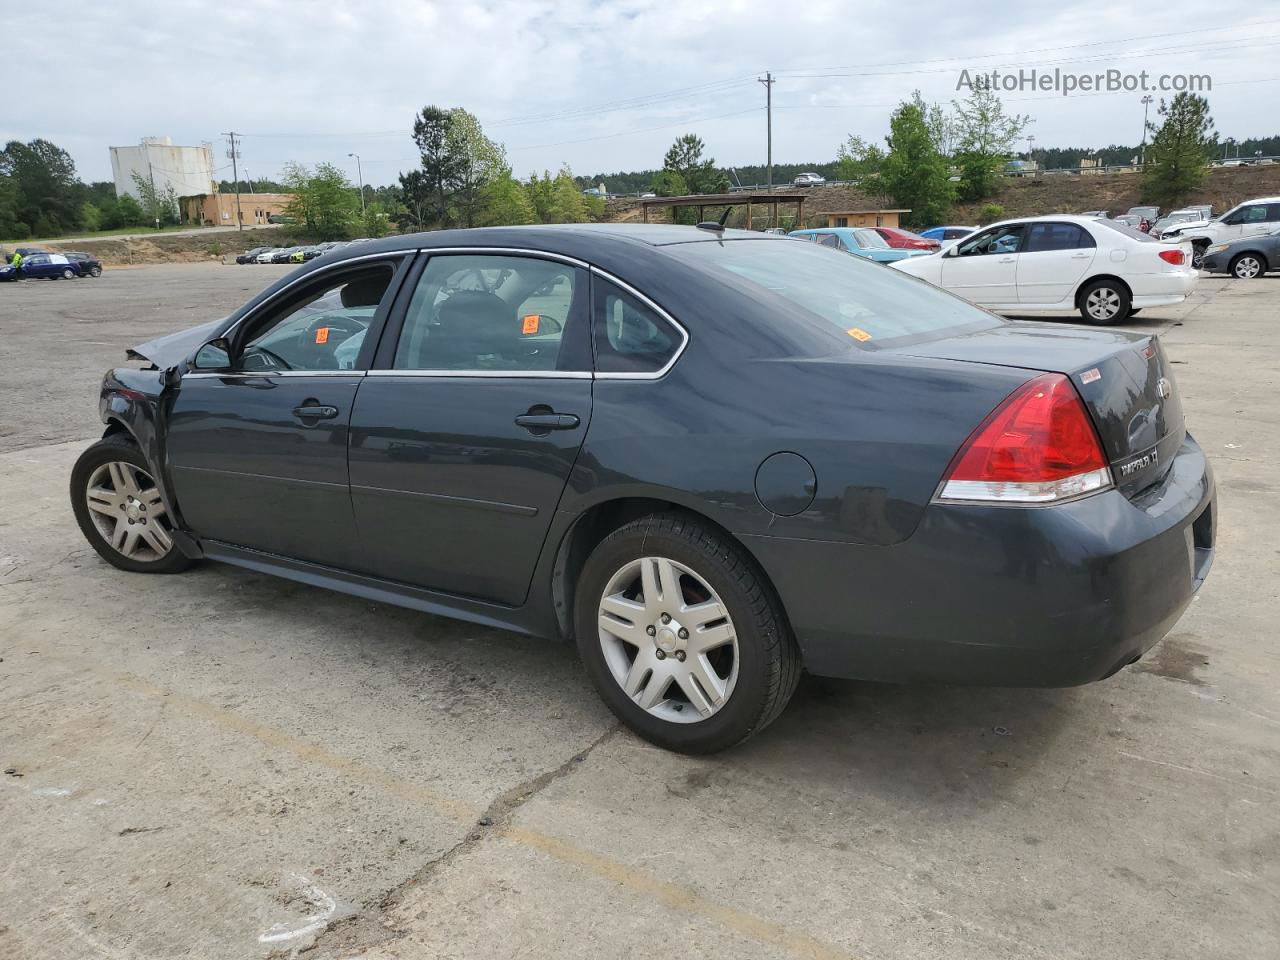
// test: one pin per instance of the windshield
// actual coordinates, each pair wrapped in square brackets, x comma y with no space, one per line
[869,238]
[1121,227]
[875,305]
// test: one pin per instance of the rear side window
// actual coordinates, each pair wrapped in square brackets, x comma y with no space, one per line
[630,336]
[1056,236]
[482,313]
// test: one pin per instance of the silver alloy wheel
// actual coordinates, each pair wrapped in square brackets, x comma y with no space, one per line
[668,640]
[129,512]
[1247,268]
[1102,303]
[68,274]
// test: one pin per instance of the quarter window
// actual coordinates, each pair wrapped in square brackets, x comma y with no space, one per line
[630,337]
[481,313]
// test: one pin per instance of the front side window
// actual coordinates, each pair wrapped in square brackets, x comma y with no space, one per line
[490,313]
[998,240]
[321,328]
[1255,214]
[630,336]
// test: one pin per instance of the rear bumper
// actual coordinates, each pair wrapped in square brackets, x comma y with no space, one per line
[1162,289]
[1001,596]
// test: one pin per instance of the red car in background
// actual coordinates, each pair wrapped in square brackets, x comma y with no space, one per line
[906,240]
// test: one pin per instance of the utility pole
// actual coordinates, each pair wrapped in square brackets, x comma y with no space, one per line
[1142,154]
[1031,148]
[360,177]
[768,82]
[155,197]
[234,154]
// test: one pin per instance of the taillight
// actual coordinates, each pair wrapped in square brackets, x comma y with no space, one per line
[1176,257]
[1036,447]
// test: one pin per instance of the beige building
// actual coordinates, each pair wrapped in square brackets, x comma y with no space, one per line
[865,218]
[219,209]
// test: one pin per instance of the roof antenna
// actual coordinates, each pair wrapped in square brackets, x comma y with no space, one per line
[716,225]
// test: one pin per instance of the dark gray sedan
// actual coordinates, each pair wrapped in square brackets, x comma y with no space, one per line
[1246,258]
[710,458]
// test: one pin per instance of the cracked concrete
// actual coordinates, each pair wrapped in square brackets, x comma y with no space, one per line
[225,766]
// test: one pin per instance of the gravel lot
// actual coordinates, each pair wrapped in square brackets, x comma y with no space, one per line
[220,764]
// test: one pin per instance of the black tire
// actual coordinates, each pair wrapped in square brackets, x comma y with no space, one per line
[1111,291]
[95,272]
[768,667]
[1134,311]
[1240,265]
[108,450]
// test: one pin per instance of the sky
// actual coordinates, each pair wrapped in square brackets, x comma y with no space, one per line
[596,84]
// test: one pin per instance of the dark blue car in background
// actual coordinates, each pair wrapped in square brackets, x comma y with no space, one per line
[42,266]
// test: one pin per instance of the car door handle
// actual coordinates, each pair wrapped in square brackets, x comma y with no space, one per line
[1081,256]
[315,411]
[547,421]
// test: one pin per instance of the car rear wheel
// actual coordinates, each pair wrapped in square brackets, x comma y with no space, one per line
[1104,302]
[95,272]
[682,636]
[1247,266]
[120,510]
[68,274]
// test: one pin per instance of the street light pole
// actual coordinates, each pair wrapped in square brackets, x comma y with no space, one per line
[1142,152]
[360,177]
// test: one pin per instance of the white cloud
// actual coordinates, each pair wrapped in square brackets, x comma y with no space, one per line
[313,82]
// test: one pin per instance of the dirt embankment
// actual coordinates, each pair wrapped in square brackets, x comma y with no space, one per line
[1224,187]
[173,248]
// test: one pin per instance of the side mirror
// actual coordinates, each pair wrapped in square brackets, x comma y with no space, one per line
[214,355]
[952,251]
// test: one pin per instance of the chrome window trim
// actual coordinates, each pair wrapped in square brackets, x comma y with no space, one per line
[259,374]
[489,374]
[510,251]
[684,334]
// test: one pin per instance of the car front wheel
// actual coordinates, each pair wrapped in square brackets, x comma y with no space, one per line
[682,636]
[1104,302]
[120,510]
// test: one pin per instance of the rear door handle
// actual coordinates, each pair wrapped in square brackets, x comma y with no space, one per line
[539,422]
[315,411]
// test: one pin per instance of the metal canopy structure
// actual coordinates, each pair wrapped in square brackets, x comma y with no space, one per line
[749,198]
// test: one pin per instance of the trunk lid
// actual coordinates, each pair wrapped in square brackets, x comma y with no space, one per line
[1124,379]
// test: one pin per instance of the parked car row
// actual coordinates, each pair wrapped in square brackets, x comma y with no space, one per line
[301,253]
[43,265]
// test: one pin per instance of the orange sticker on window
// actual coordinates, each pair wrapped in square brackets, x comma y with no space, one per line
[322,334]
[858,334]
[530,324]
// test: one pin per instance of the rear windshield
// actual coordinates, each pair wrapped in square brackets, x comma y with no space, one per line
[1130,232]
[871,239]
[875,305]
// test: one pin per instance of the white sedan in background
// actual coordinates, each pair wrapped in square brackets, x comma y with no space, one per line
[1061,264]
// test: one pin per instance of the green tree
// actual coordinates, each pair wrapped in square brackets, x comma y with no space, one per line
[856,159]
[699,175]
[45,190]
[943,127]
[914,174]
[668,183]
[557,199]
[1181,144]
[12,227]
[506,202]
[985,140]
[324,201]
[437,151]
[90,217]
[475,161]
[160,206]
[374,221]
[130,212]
